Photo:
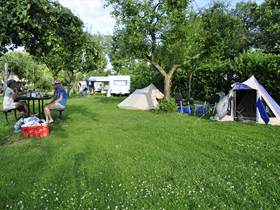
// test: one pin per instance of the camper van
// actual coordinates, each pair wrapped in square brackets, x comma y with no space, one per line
[118,85]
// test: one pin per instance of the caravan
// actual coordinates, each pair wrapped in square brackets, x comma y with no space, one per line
[118,85]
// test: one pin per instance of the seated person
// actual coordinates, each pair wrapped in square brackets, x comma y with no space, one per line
[54,92]
[18,90]
[18,87]
[60,102]
[9,98]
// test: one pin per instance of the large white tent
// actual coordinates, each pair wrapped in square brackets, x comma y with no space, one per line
[252,101]
[143,99]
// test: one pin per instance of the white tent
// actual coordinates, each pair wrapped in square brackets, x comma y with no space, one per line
[244,98]
[143,99]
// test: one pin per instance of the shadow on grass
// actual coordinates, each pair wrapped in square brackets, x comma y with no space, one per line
[115,99]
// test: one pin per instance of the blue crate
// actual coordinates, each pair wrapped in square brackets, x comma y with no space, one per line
[186,110]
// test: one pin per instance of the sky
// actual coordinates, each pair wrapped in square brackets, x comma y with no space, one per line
[97,18]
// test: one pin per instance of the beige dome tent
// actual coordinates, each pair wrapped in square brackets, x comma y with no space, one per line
[143,99]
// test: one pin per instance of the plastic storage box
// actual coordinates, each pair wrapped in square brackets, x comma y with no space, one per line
[185,110]
[35,131]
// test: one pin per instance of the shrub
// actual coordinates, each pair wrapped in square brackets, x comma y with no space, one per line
[166,106]
[190,100]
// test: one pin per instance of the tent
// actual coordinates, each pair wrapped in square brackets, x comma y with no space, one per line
[143,99]
[252,101]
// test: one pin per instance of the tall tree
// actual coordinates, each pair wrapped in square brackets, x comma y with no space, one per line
[72,60]
[41,24]
[267,19]
[246,13]
[46,29]
[167,35]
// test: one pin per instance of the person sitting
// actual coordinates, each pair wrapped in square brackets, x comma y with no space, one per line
[18,87]
[9,100]
[54,92]
[60,102]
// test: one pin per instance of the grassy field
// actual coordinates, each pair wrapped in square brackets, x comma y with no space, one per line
[103,157]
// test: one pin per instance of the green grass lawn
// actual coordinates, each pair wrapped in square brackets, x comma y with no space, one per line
[103,157]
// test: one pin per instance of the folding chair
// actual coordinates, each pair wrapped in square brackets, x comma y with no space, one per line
[179,99]
[215,98]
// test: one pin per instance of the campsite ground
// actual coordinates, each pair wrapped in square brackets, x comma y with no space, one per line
[103,157]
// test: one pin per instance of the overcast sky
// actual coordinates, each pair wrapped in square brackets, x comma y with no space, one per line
[97,18]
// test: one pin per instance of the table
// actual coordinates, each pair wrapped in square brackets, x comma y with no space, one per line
[25,98]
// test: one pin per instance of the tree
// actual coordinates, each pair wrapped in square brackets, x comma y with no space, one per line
[72,60]
[265,67]
[103,42]
[246,13]
[267,19]
[166,35]
[41,24]
[47,30]
[144,74]
[26,67]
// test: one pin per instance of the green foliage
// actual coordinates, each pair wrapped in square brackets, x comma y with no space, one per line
[145,74]
[190,101]
[260,23]
[246,13]
[39,26]
[25,66]
[49,31]
[170,35]
[166,106]
[267,19]
[265,67]
[45,82]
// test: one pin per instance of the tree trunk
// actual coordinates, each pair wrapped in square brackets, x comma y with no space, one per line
[167,81]
[190,84]
[68,89]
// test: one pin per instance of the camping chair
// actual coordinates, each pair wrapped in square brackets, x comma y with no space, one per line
[179,99]
[215,98]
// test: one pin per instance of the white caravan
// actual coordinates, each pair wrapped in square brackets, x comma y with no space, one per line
[118,85]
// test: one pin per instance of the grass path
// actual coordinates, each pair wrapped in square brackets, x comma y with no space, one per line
[110,158]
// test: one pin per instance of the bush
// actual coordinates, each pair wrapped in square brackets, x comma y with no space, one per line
[190,100]
[166,106]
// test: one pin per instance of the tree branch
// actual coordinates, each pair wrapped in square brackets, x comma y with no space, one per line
[45,60]
[192,58]
[157,66]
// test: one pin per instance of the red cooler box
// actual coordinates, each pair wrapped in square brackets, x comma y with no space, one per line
[36,131]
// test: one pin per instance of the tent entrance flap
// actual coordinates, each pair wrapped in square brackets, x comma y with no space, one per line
[246,101]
